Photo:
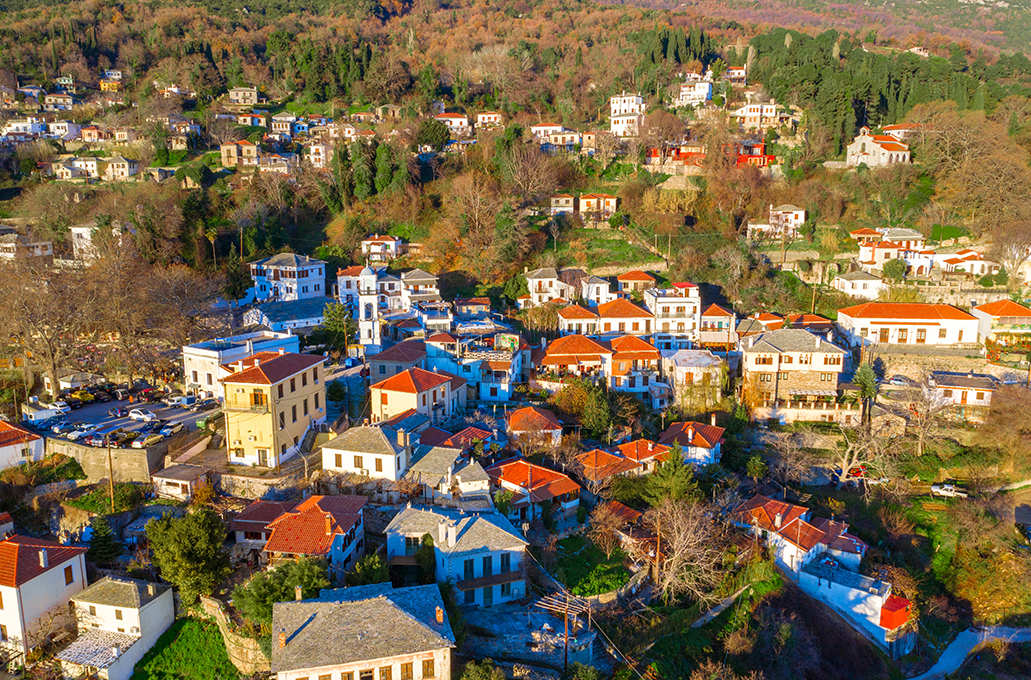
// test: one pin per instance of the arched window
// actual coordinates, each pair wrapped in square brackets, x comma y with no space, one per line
[862,147]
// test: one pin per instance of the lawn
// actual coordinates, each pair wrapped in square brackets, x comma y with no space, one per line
[127,496]
[600,248]
[189,650]
[586,571]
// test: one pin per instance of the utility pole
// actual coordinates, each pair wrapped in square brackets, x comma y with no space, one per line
[110,472]
[812,309]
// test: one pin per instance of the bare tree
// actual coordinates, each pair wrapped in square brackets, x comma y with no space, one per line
[606,146]
[1011,245]
[221,128]
[792,460]
[691,543]
[925,406]
[604,524]
[861,449]
[661,130]
[532,173]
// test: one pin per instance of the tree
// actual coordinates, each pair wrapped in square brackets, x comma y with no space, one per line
[483,670]
[792,460]
[104,548]
[861,448]
[662,130]
[237,281]
[925,405]
[432,133]
[503,501]
[335,391]
[894,270]
[756,468]
[426,560]
[596,415]
[1008,425]
[337,327]
[692,546]
[717,670]
[255,598]
[369,569]
[188,551]
[1011,244]
[605,522]
[866,380]
[672,479]
[530,173]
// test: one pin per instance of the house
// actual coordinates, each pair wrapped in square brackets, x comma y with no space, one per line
[24,127]
[418,286]
[251,526]
[546,285]
[472,308]
[634,368]
[677,312]
[644,452]
[179,482]
[120,168]
[58,102]
[596,467]
[91,134]
[865,235]
[242,153]
[876,150]
[968,261]
[376,452]
[456,123]
[283,124]
[562,204]
[701,444]
[534,426]
[635,281]
[64,130]
[319,154]
[859,284]
[574,355]
[969,395]
[762,116]
[545,130]
[37,578]
[329,528]
[119,620]
[626,114]
[397,358]
[489,119]
[363,633]
[377,248]
[693,93]
[595,291]
[915,323]
[786,219]
[908,239]
[108,85]
[492,369]
[622,317]
[299,315]
[480,554]
[436,395]
[696,377]
[533,485]
[271,400]
[597,207]
[717,325]
[19,446]
[442,472]
[791,374]
[736,75]
[22,247]
[287,276]
[201,360]
[1003,322]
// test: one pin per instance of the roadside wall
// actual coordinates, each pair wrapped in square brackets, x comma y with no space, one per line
[130,465]
[259,488]
[244,652]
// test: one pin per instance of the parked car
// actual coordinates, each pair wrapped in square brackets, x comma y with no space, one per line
[209,420]
[80,432]
[48,423]
[121,394]
[351,362]
[127,438]
[74,403]
[181,401]
[205,405]
[901,381]
[172,428]
[140,414]
[151,427]
[82,395]
[65,427]
[102,396]
[60,406]
[118,412]
[146,440]
[948,491]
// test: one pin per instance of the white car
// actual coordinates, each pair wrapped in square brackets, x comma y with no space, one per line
[81,432]
[171,428]
[60,406]
[146,440]
[140,414]
[948,491]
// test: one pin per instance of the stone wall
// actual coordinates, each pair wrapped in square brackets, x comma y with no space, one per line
[130,465]
[244,652]
[278,488]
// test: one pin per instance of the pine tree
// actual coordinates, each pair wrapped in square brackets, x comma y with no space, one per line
[104,548]
[384,168]
[361,172]
[672,479]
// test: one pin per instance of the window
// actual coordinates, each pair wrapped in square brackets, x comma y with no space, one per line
[488,566]
[366,675]
[328,676]
[765,377]
[304,380]
[315,374]
[194,374]
[382,369]
[506,590]
[316,402]
[118,614]
[506,563]
[782,376]
[3,633]
[282,420]
[980,396]
[358,462]
[787,359]
[69,575]
[248,535]
[470,598]
[424,399]
[468,569]
[293,384]
[921,335]
[383,398]
[238,453]
[948,394]
[339,459]
[960,337]
[805,359]
[406,671]
[427,668]
[941,333]
[305,405]
[280,391]
[379,465]
[347,676]
[385,672]
[764,361]
[92,610]
[209,379]
[903,335]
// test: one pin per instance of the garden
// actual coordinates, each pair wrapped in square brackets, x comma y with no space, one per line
[127,496]
[190,650]
[586,571]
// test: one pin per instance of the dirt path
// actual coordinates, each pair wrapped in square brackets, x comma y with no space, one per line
[954,655]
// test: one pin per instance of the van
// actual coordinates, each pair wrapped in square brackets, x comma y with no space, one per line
[181,402]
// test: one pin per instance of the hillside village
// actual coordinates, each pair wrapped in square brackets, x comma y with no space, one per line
[431,384]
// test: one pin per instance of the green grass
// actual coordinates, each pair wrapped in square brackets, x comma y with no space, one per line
[602,250]
[127,496]
[586,571]
[55,468]
[189,650]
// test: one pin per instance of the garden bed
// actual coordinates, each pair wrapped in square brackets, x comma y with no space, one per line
[586,571]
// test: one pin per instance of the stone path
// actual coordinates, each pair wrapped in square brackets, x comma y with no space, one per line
[954,655]
[719,609]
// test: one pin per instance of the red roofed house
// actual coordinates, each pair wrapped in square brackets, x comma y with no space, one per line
[18,445]
[634,368]
[907,324]
[577,319]
[535,425]
[271,401]
[865,235]
[532,485]
[575,355]
[1003,321]
[322,527]
[397,358]
[622,317]
[646,453]
[37,578]
[597,206]
[437,395]
[597,468]
[701,444]
[876,150]
[635,281]
[381,247]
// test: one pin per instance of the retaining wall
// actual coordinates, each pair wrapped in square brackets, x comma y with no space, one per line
[130,465]
[244,652]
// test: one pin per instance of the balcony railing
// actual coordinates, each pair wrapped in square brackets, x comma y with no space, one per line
[492,580]
[246,407]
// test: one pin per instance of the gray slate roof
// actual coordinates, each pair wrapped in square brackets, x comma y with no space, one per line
[430,464]
[543,273]
[791,340]
[417,275]
[971,381]
[293,310]
[365,439]
[859,276]
[471,471]
[124,592]
[181,473]
[289,260]
[901,234]
[477,532]
[375,623]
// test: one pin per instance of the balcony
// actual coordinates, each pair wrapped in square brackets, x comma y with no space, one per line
[245,407]
[395,559]
[493,580]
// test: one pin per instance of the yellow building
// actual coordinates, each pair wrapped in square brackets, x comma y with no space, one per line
[272,399]
[110,85]
[436,395]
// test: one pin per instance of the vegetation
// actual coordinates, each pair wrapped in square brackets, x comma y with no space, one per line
[190,650]
[104,548]
[255,598]
[127,497]
[586,570]
[369,569]
[188,552]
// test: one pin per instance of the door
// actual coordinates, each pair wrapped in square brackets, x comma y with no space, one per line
[488,596]
[883,336]
[963,397]
[263,457]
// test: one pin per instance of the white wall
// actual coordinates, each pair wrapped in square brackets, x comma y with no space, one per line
[441,667]
[14,454]
[37,597]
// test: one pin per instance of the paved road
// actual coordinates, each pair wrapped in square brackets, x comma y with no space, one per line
[96,413]
[954,655]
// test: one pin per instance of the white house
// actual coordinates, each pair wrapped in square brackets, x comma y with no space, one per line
[1003,321]
[595,291]
[489,119]
[201,360]
[287,276]
[876,150]
[968,394]
[18,445]
[363,633]
[545,286]
[481,554]
[179,482]
[63,129]
[859,284]
[677,313]
[456,123]
[535,423]
[545,130]
[626,114]
[376,452]
[562,204]
[701,444]
[119,620]
[381,248]
[906,323]
[37,579]
[288,315]
[693,93]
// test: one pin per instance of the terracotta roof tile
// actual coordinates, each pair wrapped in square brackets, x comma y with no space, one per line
[546,483]
[642,449]
[257,515]
[692,434]
[1004,308]
[533,419]
[621,309]
[309,528]
[405,352]
[11,434]
[20,558]
[716,310]
[272,367]
[905,311]
[598,464]
[576,344]
[576,312]
[635,275]
[414,381]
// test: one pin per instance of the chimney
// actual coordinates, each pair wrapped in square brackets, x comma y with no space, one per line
[282,351]
[450,473]
[250,347]
[651,446]
[44,561]
[690,433]
[440,616]
[712,419]
[778,520]
[402,438]
[150,589]
[441,533]
[257,362]
[115,651]
[329,523]
[282,639]
[452,534]
[298,593]
[816,341]
[239,366]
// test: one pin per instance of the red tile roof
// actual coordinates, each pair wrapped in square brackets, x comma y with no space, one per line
[533,419]
[904,311]
[405,352]
[864,232]
[598,464]
[1004,308]
[629,348]
[433,436]
[642,449]
[11,434]
[621,308]
[257,515]
[716,310]
[467,438]
[692,434]
[635,275]
[269,368]
[576,344]
[628,515]
[546,484]
[576,312]
[414,381]
[442,337]
[351,271]
[310,527]
[20,558]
